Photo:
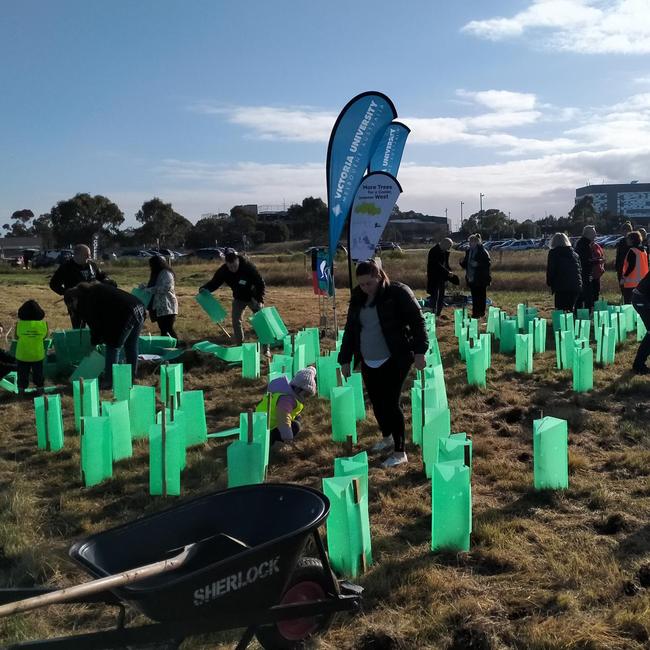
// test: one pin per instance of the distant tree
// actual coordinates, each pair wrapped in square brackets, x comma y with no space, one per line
[76,220]
[469,226]
[42,227]
[20,224]
[582,214]
[309,220]
[206,232]
[274,231]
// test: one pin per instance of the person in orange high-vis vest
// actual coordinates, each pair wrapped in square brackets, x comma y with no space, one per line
[31,332]
[635,267]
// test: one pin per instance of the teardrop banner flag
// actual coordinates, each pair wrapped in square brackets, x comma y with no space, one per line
[371,209]
[354,138]
[388,154]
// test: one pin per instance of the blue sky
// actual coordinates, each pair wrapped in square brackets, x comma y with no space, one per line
[208,104]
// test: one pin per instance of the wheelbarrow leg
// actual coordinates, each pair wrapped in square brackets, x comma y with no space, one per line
[322,556]
[246,639]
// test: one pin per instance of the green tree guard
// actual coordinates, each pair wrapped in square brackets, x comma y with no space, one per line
[326,375]
[10,382]
[621,321]
[600,305]
[463,340]
[245,459]
[459,316]
[176,417]
[85,397]
[268,326]
[530,315]
[71,346]
[486,345]
[348,525]
[119,420]
[122,381]
[261,434]
[433,357]
[356,466]
[96,450]
[630,317]
[456,447]
[582,329]
[281,363]
[439,398]
[171,382]
[524,353]
[417,413]
[564,346]
[508,342]
[211,306]
[299,358]
[142,410]
[166,450]
[583,314]
[160,345]
[583,370]
[49,422]
[641,329]
[521,316]
[566,322]
[605,345]
[90,367]
[436,428]
[250,368]
[550,454]
[344,422]
[287,345]
[451,507]
[192,406]
[556,316]
[476,370]
[312,344]
[356,383]
[472,324]
[228,354]
[494,322]
[537,330]
[142,295]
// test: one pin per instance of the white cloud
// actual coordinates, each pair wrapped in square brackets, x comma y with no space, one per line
[501,100]
[584,26]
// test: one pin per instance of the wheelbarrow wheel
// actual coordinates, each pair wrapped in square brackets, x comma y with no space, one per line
[308,582]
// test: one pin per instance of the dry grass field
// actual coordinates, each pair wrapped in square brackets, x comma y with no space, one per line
[546,570]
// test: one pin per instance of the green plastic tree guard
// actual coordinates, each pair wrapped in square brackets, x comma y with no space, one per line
[622,326]
[583,370]
[344,422]
[10,382]
[142,410]
[494,322]
[356,466]
[521,316]
[178,418]
[211,306]
[582,329]
[287,345]
[90,367]
[605,345]
[268,326]
[583,314]
[142,295]
[250,367]
[630,316]
[456,447]
[71,346]
[348,526]
[171,382]
[486,346]
[537,330]
[641,329]
[550,454]
[49,422]
[564,347]
[463,340]
[356,383]
[437,427]
[120,424]
[566,322]
[261,434]
[96,450]
[326,375]
[476,370]
[89,406]
[166,452]
[600,305]
[556,316]
[299,358]
[459,316]
[122,381]
[312,344]
[508,342]
[524,353]
[451,507]
[160,345]
[192,405]
[245,461]
[281,363]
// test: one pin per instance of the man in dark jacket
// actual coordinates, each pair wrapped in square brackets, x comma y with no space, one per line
[583,249]
[114,317]
[622,247]
[438,273]
[247,288]
[80,268]
[641,302]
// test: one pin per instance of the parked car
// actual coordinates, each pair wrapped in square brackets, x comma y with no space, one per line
[461,246]
[612,241]
[519,245]
[209,253]
[493,243]
[134,252]
[163,252]
[51,258]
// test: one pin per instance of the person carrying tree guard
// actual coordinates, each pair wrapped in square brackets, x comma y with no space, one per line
[284,403]
[247,286]
[80,268]
[439,273]
[635,267]
[163,305]
[31,332]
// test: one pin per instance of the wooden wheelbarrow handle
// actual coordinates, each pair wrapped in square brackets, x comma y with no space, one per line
[101,584]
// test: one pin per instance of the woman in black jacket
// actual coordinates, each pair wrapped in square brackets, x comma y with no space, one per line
[563,272]
[114,317]
[384,333]
[477,274]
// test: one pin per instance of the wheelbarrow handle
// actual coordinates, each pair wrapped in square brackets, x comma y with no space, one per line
[101,584]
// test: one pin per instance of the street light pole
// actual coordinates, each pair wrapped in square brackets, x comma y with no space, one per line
[461,213]
[480,199]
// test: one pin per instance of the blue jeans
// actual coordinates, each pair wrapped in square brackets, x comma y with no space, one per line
[129,340]
[642,306]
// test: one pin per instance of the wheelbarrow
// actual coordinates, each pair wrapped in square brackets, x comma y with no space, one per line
[226,560]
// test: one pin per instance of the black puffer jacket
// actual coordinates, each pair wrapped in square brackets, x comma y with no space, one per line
[563,270]
[70,274]
[482,276]
[438,269]
[583,249]
[246,282]
[401,323]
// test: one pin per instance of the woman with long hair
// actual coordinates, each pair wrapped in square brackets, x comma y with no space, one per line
[163,307]
[385,334]
[563,272]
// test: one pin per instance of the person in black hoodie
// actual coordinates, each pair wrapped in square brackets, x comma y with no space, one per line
[385,334]
[563,272]
[641,302]
[247,288]
[622,248]
[438,273]
[114,317]
[477,264]
[80,268]
[583,249]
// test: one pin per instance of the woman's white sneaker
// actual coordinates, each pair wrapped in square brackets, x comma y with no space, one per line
[383,444]
[396,458]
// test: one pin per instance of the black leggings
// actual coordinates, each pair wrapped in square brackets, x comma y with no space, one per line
[479,295]
[384,386]
[166,324]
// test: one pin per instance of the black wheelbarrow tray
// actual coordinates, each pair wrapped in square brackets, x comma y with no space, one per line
[230,559]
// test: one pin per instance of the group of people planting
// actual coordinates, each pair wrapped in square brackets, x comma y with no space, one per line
[384,332]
